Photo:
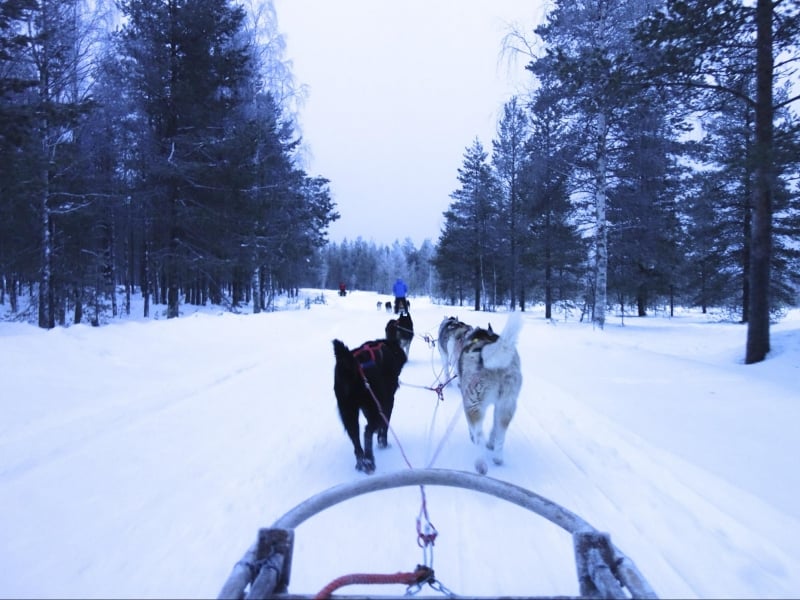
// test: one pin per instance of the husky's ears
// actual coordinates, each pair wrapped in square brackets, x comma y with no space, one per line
[490,328]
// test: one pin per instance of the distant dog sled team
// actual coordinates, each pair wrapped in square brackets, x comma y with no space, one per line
[401,303]
[485,364]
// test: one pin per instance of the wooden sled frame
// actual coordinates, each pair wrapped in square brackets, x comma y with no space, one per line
[602,570]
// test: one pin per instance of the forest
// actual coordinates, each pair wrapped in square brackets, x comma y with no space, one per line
[151,147]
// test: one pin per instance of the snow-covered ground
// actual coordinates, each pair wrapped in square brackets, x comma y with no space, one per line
[140,458]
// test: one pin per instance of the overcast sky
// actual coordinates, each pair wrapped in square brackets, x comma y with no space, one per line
[397,91]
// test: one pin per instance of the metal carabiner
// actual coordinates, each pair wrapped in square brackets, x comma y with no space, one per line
[437,585]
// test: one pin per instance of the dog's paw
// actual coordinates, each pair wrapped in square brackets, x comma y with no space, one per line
[481,467]
[365,465]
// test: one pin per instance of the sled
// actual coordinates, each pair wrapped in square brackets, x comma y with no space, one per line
[602,570]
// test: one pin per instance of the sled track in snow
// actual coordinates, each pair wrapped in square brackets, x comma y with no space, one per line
[100,423]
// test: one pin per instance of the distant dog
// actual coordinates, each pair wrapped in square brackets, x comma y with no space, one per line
[451,340]
[380,305]
[401,329]
[489,373]
[380,362]
[388,306]
[401,304]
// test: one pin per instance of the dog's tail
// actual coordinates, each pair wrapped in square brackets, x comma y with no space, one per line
[501,353]
[343,355]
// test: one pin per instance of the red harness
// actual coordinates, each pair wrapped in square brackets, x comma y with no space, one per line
[368,354]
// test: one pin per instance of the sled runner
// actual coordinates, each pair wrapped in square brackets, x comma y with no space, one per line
[264,570]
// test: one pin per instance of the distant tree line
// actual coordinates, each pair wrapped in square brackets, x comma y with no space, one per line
[655,162]
[368,266]
[152,147]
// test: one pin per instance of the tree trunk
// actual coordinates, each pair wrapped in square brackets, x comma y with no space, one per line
[13,298]
[477,287]
[256,287]
[78,316]
[173,302]
[548,265]
[747,255]
[147,274]
[601,235]
[514,242]
[641,302]
[758,319]
[46,316]
[747,232]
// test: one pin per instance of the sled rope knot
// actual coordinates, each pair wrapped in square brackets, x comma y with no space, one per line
[439,389]
[416,577]
[430,340]
[426,533]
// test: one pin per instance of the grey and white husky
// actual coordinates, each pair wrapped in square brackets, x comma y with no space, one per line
[489,374]
[451,341]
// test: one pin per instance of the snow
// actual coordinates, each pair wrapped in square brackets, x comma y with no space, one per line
[139,459]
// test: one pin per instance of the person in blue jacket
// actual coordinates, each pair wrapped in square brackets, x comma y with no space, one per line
[400,289]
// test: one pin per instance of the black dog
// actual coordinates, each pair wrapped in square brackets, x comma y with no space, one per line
[388,307]
[380,362]
[401,329]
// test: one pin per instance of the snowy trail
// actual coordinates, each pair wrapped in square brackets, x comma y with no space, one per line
[163,463]
[677,506]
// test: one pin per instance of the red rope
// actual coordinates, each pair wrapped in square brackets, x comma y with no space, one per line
[428,537]
[406,578]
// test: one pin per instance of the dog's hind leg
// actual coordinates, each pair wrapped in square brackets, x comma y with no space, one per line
[348,412]
[475,412]
[445,360]
[367,463]
[505,406]
[383,437]
[497,437]
[382,428]
[358,450]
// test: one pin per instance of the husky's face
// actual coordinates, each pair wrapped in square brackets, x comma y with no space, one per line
[452,327]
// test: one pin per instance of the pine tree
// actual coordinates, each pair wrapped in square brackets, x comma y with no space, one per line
[508,159]
[53,56]
[702,48]
[644,229]
[586,44]
[189,70]
[17,120]
[470,238]
[553,253]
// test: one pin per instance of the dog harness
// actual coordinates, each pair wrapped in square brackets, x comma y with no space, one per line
[478,335]
[368,354]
